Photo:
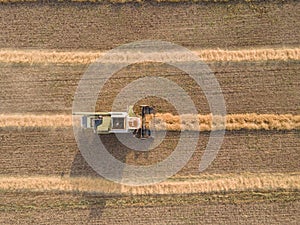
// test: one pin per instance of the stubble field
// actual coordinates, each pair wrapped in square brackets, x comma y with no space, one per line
[255,176]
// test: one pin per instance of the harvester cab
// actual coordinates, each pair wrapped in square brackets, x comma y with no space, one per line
[118,122]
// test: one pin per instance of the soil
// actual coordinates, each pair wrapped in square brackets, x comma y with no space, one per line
[216,208]
[247,87]
[54,151]
[105,26]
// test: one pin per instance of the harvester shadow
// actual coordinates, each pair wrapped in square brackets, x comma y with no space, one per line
[80,168]
[113,145]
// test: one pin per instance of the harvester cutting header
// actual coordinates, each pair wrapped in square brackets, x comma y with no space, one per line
[118,122]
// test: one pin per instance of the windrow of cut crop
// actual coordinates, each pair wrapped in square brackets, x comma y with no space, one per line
[167,121]
[208,55]
[251,121]
[199,184]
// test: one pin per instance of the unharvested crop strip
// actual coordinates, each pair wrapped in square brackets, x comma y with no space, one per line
[200,184]
[210,55]
[171,122]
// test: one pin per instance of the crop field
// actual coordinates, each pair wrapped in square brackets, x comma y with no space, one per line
[251,47]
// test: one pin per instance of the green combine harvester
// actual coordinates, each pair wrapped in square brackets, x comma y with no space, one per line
[118,122]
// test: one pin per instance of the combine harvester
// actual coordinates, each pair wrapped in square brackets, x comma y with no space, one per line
[118,122]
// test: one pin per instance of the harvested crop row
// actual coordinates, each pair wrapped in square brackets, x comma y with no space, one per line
[171,122]
[51,56]
[251,121]
[205,183]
